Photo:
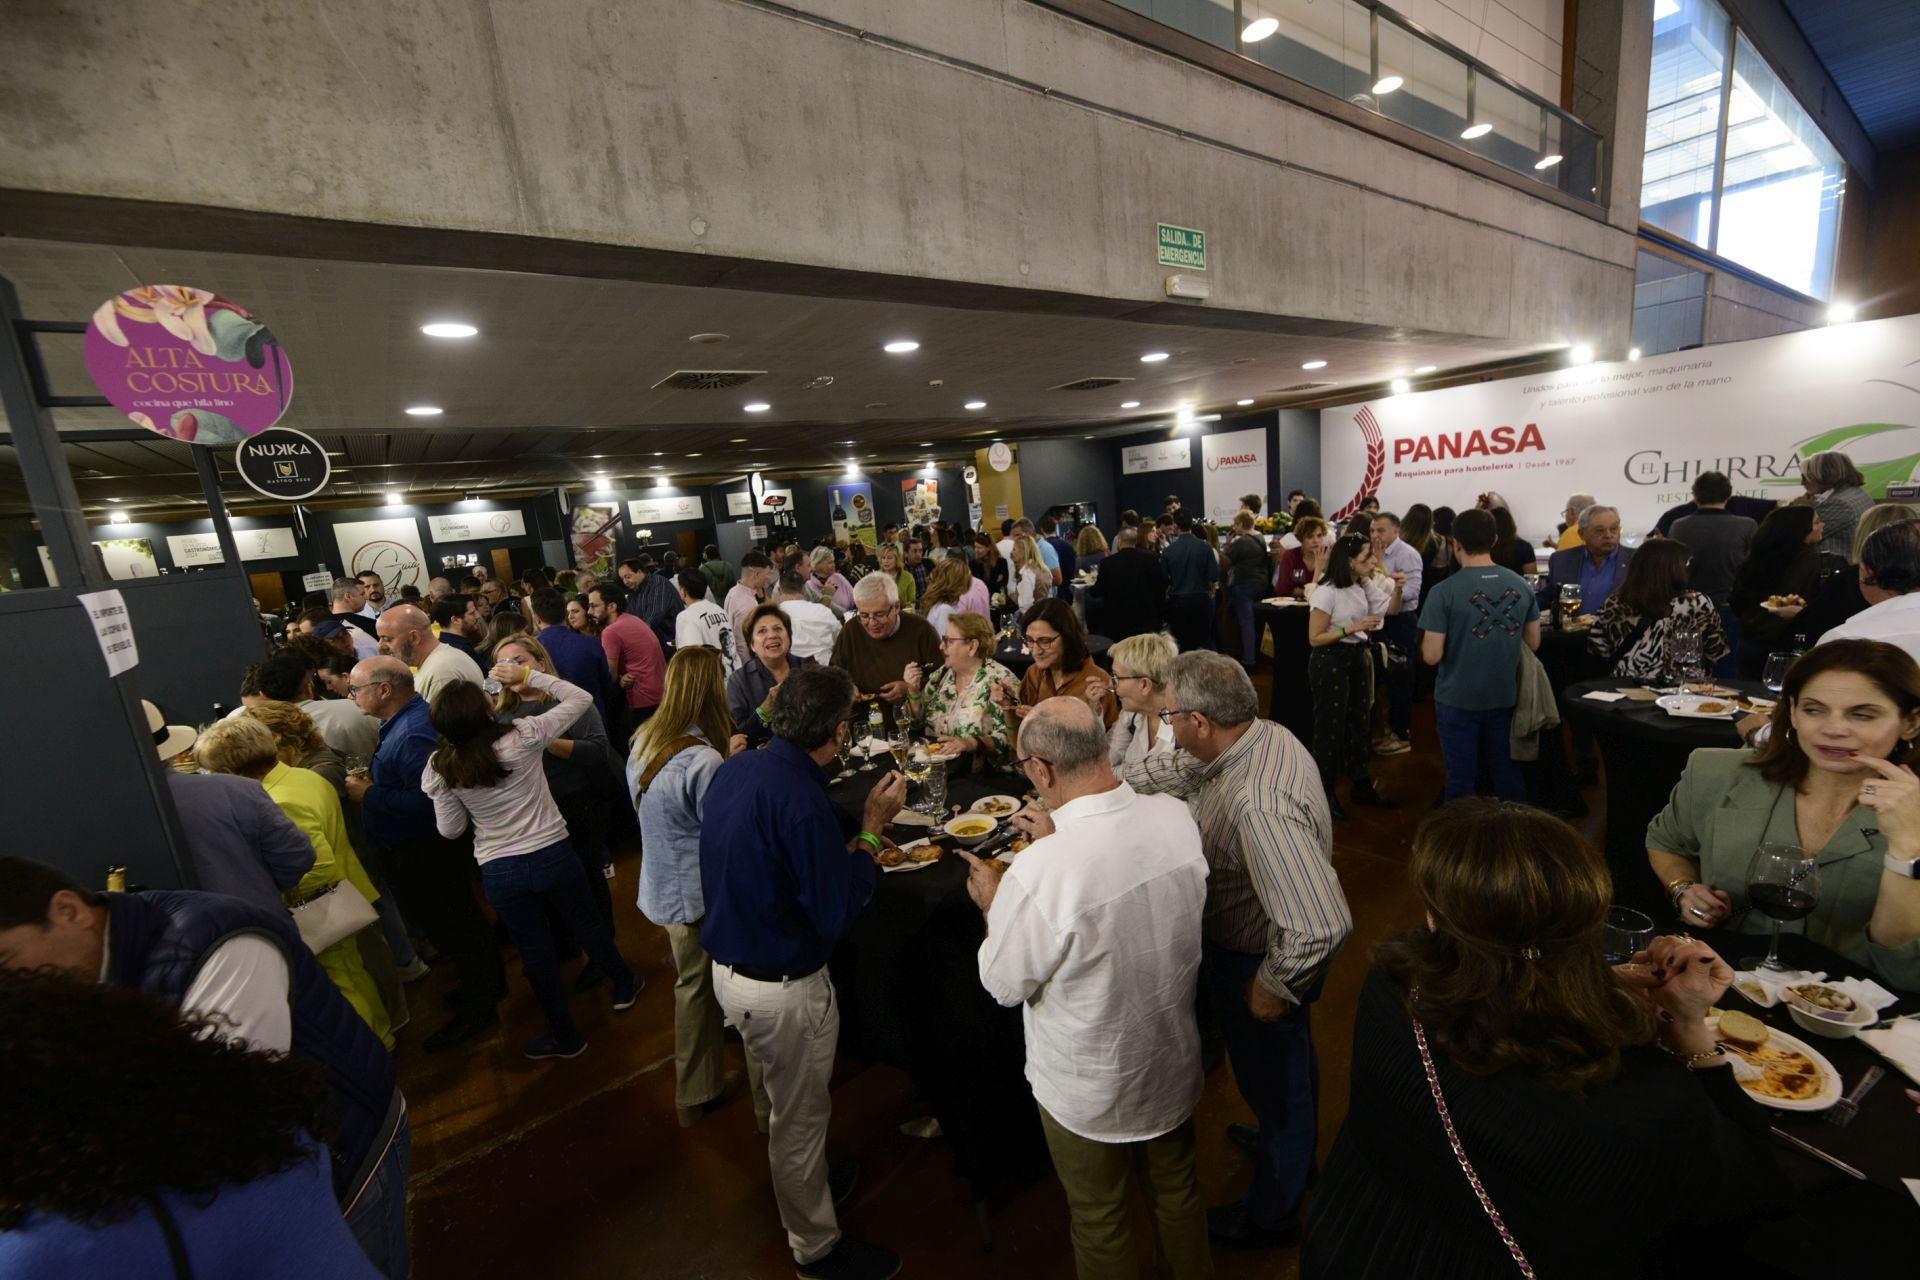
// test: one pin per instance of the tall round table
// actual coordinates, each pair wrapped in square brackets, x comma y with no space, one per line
[1291,701]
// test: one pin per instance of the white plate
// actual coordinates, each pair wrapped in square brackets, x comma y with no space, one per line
[912,866]
[1829,1078]
[1009,805]
[1687,706]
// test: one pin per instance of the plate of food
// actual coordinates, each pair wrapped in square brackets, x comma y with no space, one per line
[1784,605]
[915,855]
[996,806]
[1694,706]
[1776,1069]
[971,828]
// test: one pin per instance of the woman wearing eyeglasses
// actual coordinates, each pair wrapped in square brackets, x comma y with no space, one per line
[1349,605]
[956,704]
[1061,666]
[1139,671]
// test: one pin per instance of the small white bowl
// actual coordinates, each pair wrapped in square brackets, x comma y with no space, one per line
[970,820]
[1830,1023]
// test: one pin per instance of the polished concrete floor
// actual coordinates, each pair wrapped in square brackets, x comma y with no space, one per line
[578,1168]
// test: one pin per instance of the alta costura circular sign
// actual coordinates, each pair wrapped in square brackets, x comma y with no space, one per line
[187,364]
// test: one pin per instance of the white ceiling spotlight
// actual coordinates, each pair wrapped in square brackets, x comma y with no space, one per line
[1428,368]
[661,482]
[393,498]
[1580,353]
[853,470]
[1243,403]
[1259,29]
[1401,386]
[1311,365]
[1473,131]
[119,517]
[1153,357]
[757,406]
[975,404]
[1549,160]
[1129,404]
[900,346]
[1387,84]
[449,329]
[424,411]
[1633,353]
[1841,313]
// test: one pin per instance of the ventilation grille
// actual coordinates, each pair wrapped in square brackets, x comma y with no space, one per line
[1298,386]
[1090,384]
[708,379]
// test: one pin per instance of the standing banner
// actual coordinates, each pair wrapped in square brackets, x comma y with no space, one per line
[852,513]
[678,509]
[1161,455]
[1236,465]
[592,534]
[390,548]
[1636,433]
[921,498]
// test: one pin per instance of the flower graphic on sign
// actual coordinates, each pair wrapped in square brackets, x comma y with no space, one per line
[185,363]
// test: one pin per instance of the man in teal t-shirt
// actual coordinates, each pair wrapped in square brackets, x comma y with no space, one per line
[1472,626]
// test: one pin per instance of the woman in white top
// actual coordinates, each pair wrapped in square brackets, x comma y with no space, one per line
[1027,574]
[1351,602]
[488,775]
[1139,681]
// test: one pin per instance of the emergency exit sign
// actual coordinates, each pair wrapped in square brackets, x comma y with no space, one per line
[1182,247]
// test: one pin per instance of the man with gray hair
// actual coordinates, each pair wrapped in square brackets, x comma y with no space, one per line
[876,652]
[1095,933]
[1597,566]
[1275,916]
[783,881]
[346,600]
[1570,520]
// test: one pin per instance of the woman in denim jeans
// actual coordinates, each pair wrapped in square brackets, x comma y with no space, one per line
[488,775]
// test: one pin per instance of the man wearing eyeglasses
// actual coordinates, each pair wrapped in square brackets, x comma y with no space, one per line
[430,873]
[877,651]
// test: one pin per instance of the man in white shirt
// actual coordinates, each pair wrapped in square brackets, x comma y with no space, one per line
[1095,931]
[409,637]
[815,626]
[1400,631]
[375,589]
[348,599]
[702,622]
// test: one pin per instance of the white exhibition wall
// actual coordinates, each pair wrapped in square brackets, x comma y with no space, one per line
[1636,433]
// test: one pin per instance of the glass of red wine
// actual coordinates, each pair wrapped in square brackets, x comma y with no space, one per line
[1783,883]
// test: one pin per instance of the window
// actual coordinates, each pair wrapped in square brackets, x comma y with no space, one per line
[1768,196]
[1669,305]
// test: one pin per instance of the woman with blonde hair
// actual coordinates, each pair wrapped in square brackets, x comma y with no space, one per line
[947,586]
[244,746]
[673,760]
[893,563]
[1139,683]
[1090,548]
[582,773]
[1027,576]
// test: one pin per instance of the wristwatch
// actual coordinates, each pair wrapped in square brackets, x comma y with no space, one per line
[1906,868]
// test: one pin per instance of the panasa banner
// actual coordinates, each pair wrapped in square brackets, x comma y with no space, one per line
[1636,433]
[1234,465]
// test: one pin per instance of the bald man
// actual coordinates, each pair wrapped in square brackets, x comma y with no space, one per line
[429,872]
[406,633]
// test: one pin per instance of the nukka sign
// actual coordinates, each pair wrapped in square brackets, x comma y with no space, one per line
[283,463]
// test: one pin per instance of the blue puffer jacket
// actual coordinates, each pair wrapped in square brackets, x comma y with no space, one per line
[160,939]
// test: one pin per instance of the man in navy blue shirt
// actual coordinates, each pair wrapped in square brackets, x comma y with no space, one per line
[431,874]
[576,656]
[1192,570]
[460,627]
[782,884]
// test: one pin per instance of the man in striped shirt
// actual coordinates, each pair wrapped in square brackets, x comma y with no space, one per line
[1274,918]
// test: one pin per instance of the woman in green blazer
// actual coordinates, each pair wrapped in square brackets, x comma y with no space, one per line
[1831,778]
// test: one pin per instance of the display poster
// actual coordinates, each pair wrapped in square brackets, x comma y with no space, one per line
[852,512]
[921,499]
[477,526]
[1636,433]
[1235,464]
[673,510]
[266,544]
[128,558]
[186,364]
[592,534]
[390,548]
[1161,455]
[740,504]
[190,550]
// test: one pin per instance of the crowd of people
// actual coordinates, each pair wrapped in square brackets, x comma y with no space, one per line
[397,752]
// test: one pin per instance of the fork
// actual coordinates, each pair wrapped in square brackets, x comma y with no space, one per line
[1842,1112]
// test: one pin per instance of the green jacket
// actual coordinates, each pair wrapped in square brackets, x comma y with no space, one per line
[1720,811]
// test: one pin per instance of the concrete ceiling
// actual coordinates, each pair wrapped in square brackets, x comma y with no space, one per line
[561,382]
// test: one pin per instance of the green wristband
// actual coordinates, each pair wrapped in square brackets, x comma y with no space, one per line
[870,839]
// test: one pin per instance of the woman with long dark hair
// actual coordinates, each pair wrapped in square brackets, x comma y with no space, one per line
[987,564]
[1348,607]
[1438,561]
[136,1141]
[1509,548]
[1502,1070]
[1637,625]
[1782,572]
[486,775]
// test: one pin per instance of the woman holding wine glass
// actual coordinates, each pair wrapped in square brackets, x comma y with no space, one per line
[1831,780]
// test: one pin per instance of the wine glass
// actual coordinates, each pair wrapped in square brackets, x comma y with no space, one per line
[1774,674]
[1624,934]
[844,749]
[1783,883]
[1683,654]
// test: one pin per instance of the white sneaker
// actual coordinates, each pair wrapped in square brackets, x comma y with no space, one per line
[415,971]
[1391,746]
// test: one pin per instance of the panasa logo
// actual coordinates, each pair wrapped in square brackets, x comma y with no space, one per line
[1467,444]
[1232,460]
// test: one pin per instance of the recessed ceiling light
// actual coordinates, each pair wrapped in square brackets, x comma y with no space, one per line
[599,477]
[660,482]
[393,499]
[424,411]
[658,467]
[900,346]
[1633,353]
[1243,403]
[853,469]
[758,406]
[1314,364]
[1387,84]
[926,444]
[1259,29]
[738,440]
[120,517]
[448,329]
[693,455]
[1581,354]
[659,455]
[1841,313]
[707,339]
[976,404]
[1401,386]
[1129,404]
[1153,357]
[1476,131]
[1427,368]
[1548,161]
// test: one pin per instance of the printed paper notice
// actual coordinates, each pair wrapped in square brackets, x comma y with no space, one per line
[113,627]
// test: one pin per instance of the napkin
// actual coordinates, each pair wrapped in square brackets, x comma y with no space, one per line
[1867,992]
[1601,695]
[1913,1185]
[1772,986]
[913,818]
[873,746]
[1898,1044]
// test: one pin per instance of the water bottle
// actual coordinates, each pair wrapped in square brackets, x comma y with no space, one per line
[492,687]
